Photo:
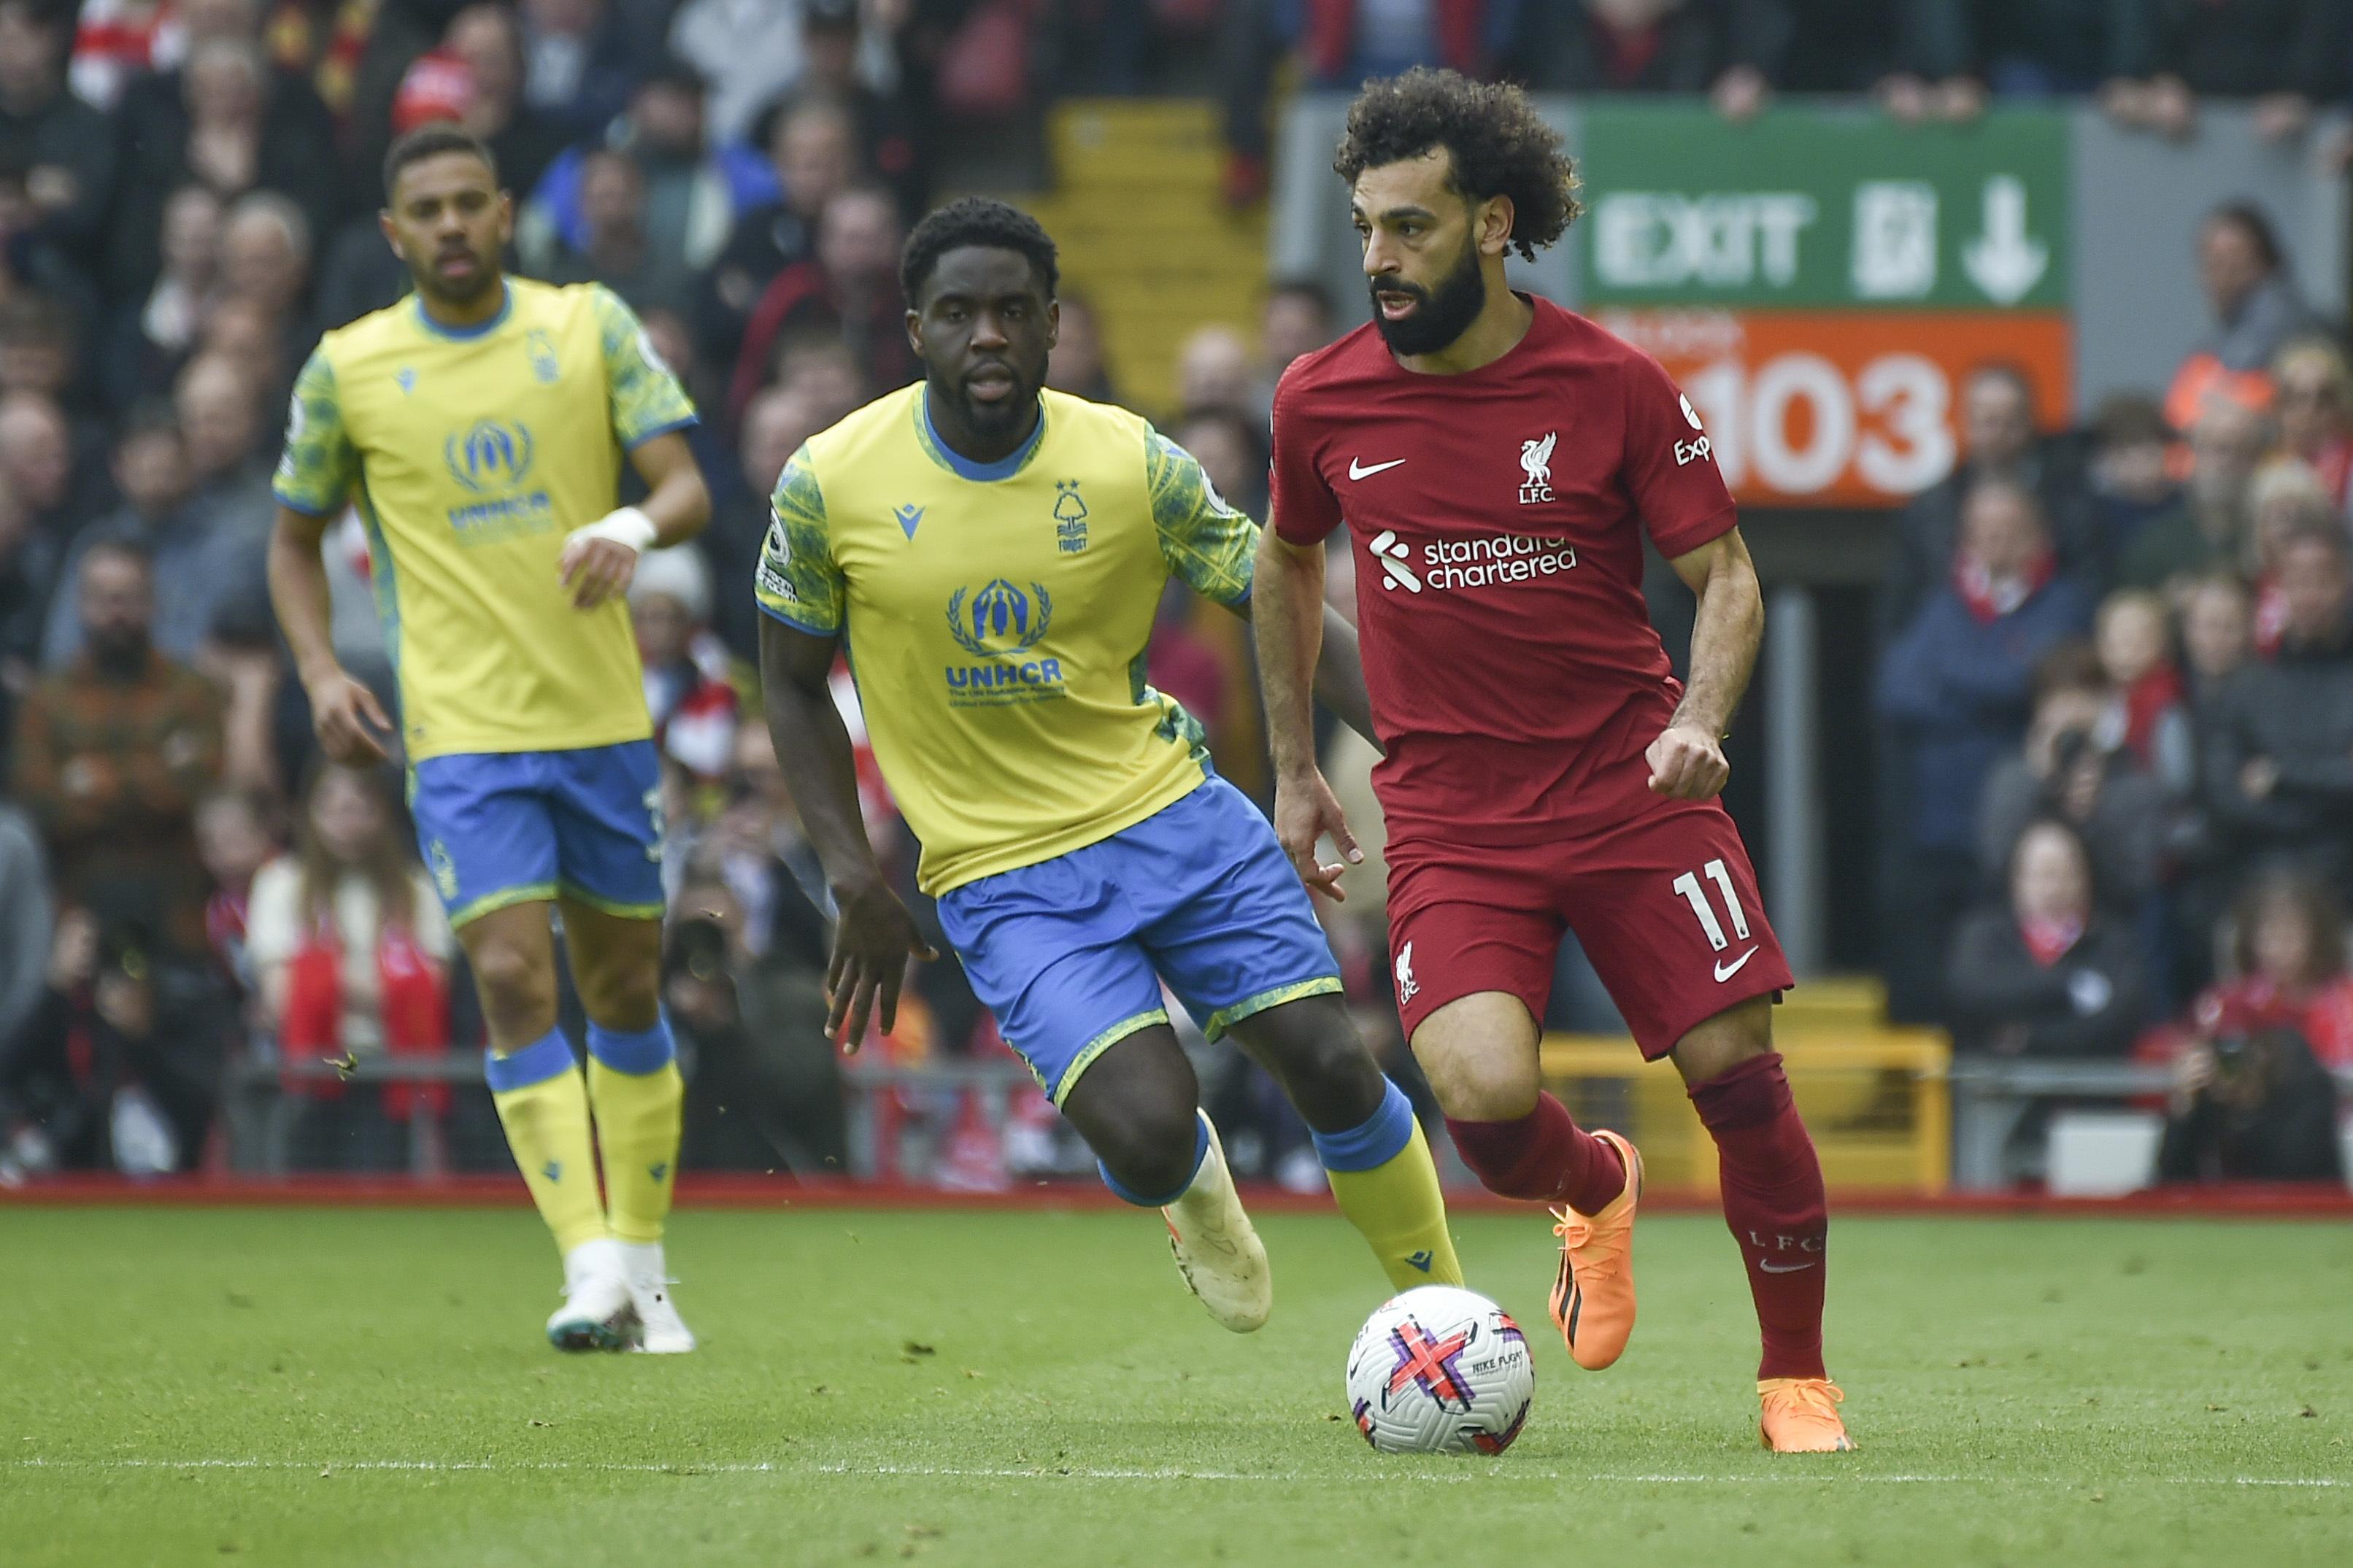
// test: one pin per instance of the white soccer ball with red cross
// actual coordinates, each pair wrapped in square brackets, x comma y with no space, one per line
[1439,1369]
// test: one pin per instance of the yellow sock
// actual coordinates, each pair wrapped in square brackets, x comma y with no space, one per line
[1396,1204]
[544,1106]
[634,1082]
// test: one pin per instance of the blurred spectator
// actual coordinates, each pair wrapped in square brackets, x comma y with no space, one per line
[116,41]
[255,343]
[37,348]
[2285,497]
[110,755]
[690,193]
[2316,412]
[1213,368]
[2257,310]
[1295,320]
[2207,531]
[350,951]
[775,425]
[234,841]
[850,289]
[2277,52]
[615,248]
[28,568]
[30,259]
[2130,486]
[2279,765]
[815,362]
[232,124]
[1226,443]
[1998,444]
[2289,967]
[2074,767]
[1077,365]
[2047,972]
[814,152]
[763,1088]
[487,40]
[2251,1107]
[2217,638]
[2137,656]
[118,1066]
[1955,687]
[152,334]
[1608,46]
[751,49]
[158,518]
[68,146]
[220,420]
[694,707]
[579,60]
[37,461]
[24,924]
[266,262]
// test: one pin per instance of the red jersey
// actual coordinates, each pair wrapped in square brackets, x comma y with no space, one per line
[1496,519]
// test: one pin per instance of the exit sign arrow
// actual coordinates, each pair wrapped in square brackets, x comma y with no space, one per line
[2005,261]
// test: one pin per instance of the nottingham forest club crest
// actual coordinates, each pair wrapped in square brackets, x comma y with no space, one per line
[1000,624]
[1070,517]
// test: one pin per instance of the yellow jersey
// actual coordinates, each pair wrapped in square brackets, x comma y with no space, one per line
[472,453]
[997,617]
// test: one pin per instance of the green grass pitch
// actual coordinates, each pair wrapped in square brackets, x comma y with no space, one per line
[326,1387]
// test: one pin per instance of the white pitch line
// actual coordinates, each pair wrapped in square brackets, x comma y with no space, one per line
[1091,1473]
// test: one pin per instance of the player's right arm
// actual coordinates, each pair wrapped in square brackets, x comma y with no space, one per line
[314,479]
[801,593]
[1287,620]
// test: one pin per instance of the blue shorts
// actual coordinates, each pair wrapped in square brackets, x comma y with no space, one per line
[1069,954]
[508,828]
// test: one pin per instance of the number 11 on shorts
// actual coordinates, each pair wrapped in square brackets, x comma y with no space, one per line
[1696,896]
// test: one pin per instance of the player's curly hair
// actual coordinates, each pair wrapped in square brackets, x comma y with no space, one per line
[975,220]
[1499,144]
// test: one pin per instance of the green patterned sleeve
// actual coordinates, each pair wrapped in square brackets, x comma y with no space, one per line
[1206,542]
[798,581]
[644,393]
[320,466]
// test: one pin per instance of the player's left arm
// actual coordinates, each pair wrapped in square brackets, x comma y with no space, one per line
[1687,759]
[1214,547]
[651,413]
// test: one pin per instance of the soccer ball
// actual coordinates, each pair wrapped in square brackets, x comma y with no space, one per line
[1441,1370]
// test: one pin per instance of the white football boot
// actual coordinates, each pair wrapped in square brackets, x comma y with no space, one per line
[660,1330]
[596,1314]
[1218,1250]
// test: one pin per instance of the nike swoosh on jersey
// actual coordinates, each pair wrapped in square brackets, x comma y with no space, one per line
[1725,971]
[1357,472]
[1781,1267]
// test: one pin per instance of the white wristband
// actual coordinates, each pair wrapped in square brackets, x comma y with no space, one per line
[627,526]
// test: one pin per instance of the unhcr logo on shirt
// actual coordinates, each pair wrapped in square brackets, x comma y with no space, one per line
[1000,624]
[492,459]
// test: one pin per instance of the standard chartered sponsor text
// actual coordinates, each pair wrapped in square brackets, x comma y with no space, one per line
[1500,558]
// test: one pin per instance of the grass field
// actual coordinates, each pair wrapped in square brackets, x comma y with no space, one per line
[317,1388]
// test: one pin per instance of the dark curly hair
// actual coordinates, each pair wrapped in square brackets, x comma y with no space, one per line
[1499,144]
[975,220]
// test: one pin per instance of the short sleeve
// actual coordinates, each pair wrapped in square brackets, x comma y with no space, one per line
[320,466]
[797,581]
[644,397]
[1669,463]
[1302,507]
[1205,541]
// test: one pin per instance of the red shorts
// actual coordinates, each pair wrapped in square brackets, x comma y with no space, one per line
[1663,902]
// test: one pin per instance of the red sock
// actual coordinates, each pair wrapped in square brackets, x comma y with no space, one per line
[1773,1201]
[1544,1155]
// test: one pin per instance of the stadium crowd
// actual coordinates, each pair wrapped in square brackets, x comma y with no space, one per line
[2117,689]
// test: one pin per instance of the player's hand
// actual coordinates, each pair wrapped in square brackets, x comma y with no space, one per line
[600,559]
[871,945]
[1687,763]
[1306,810]
[348,719]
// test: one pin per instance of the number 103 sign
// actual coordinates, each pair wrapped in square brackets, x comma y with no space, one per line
[1842,408]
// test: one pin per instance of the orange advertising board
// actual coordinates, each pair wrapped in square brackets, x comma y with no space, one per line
[1843,408]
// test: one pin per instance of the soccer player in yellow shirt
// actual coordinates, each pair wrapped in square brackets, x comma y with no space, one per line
[479,427]
[993,553]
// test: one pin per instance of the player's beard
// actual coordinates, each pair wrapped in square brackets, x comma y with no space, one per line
[1441,315]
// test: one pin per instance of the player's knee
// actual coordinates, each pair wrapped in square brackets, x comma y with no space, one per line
[1150,1148]
[1483,1086]
[517,988]
[1715,1046]
[622,991]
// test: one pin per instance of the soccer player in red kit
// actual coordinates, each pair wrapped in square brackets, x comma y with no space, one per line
[1497,462]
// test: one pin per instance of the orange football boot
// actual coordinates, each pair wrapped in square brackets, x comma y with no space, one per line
[1593,1299]
[1801,1416]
